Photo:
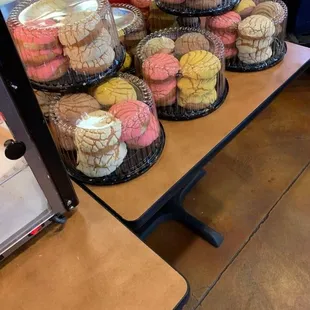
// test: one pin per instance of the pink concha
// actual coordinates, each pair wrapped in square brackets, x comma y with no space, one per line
[150,135]
[134,115]
[141,4]
[35,35]
[27,54]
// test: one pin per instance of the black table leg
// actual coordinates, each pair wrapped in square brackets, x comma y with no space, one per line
[174,210]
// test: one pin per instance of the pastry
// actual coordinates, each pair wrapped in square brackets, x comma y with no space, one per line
[36,38]
[149,136]
[197,101]
[245,8]
[71,107]
[135,117]
[259,56]
[91,51]
[102,163]
[62,136]
[203,4]
[96,65]
[228,38]
[252,46]
[256,27]
[160,67]
[127,63]
[199,65]
[158,45]
[45,100]
[39,57]
[227,22]
[80,28]
[164,93]
[191,42]
[97,131]
[114,91]
[230,52]
[191,86]
[270,9]
[49,71]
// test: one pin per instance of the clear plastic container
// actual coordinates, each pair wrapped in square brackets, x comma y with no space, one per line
[130,25]
[110,135]
[66,45]
[248,46]
[184,68]
[196,8]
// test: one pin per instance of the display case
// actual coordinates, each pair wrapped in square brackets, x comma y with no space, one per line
[35,189]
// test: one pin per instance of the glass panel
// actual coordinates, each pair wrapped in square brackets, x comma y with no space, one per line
[23,204]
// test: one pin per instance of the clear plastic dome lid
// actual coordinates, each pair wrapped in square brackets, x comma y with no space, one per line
[130,25]
[66,45]
[253,34]
[184,68]
[110,135]
[197,8]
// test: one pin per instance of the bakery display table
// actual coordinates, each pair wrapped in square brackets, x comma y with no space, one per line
[94,262]
[157,195]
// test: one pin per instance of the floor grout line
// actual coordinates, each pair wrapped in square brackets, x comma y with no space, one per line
[265,218]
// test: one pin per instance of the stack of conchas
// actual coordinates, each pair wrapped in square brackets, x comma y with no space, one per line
[183,74]
[160,71]
[255,39]
[197,86]
[87,42]
[97,140]
[41,52]
[245,8]
[226,28]
[158,19]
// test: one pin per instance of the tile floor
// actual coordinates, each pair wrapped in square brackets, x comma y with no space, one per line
[251,195]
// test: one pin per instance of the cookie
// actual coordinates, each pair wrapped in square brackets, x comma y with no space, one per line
[245,8]
[80,28]
[227,22]
[270,9]
[200,65]
[49,71]
[256,27]
[191,42]
[150,135]
[253,58]
[101,163]
[97,131]
[39,57]
[228,38]
[94,66]
[164,93]
[191,86]
[91,51]
[135,117]
[71,107]
[158,45]
[160,67]
[197,102]
[246,46]
[114,91]
[203,4]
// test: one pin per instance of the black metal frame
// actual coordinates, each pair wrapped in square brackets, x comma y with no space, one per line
[18,87]
[163,208]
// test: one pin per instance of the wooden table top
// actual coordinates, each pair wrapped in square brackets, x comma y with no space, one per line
[188,142]
[93,263]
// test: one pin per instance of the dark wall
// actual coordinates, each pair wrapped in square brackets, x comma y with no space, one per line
[299,16]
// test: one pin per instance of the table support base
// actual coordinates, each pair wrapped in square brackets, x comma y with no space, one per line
[174,210]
